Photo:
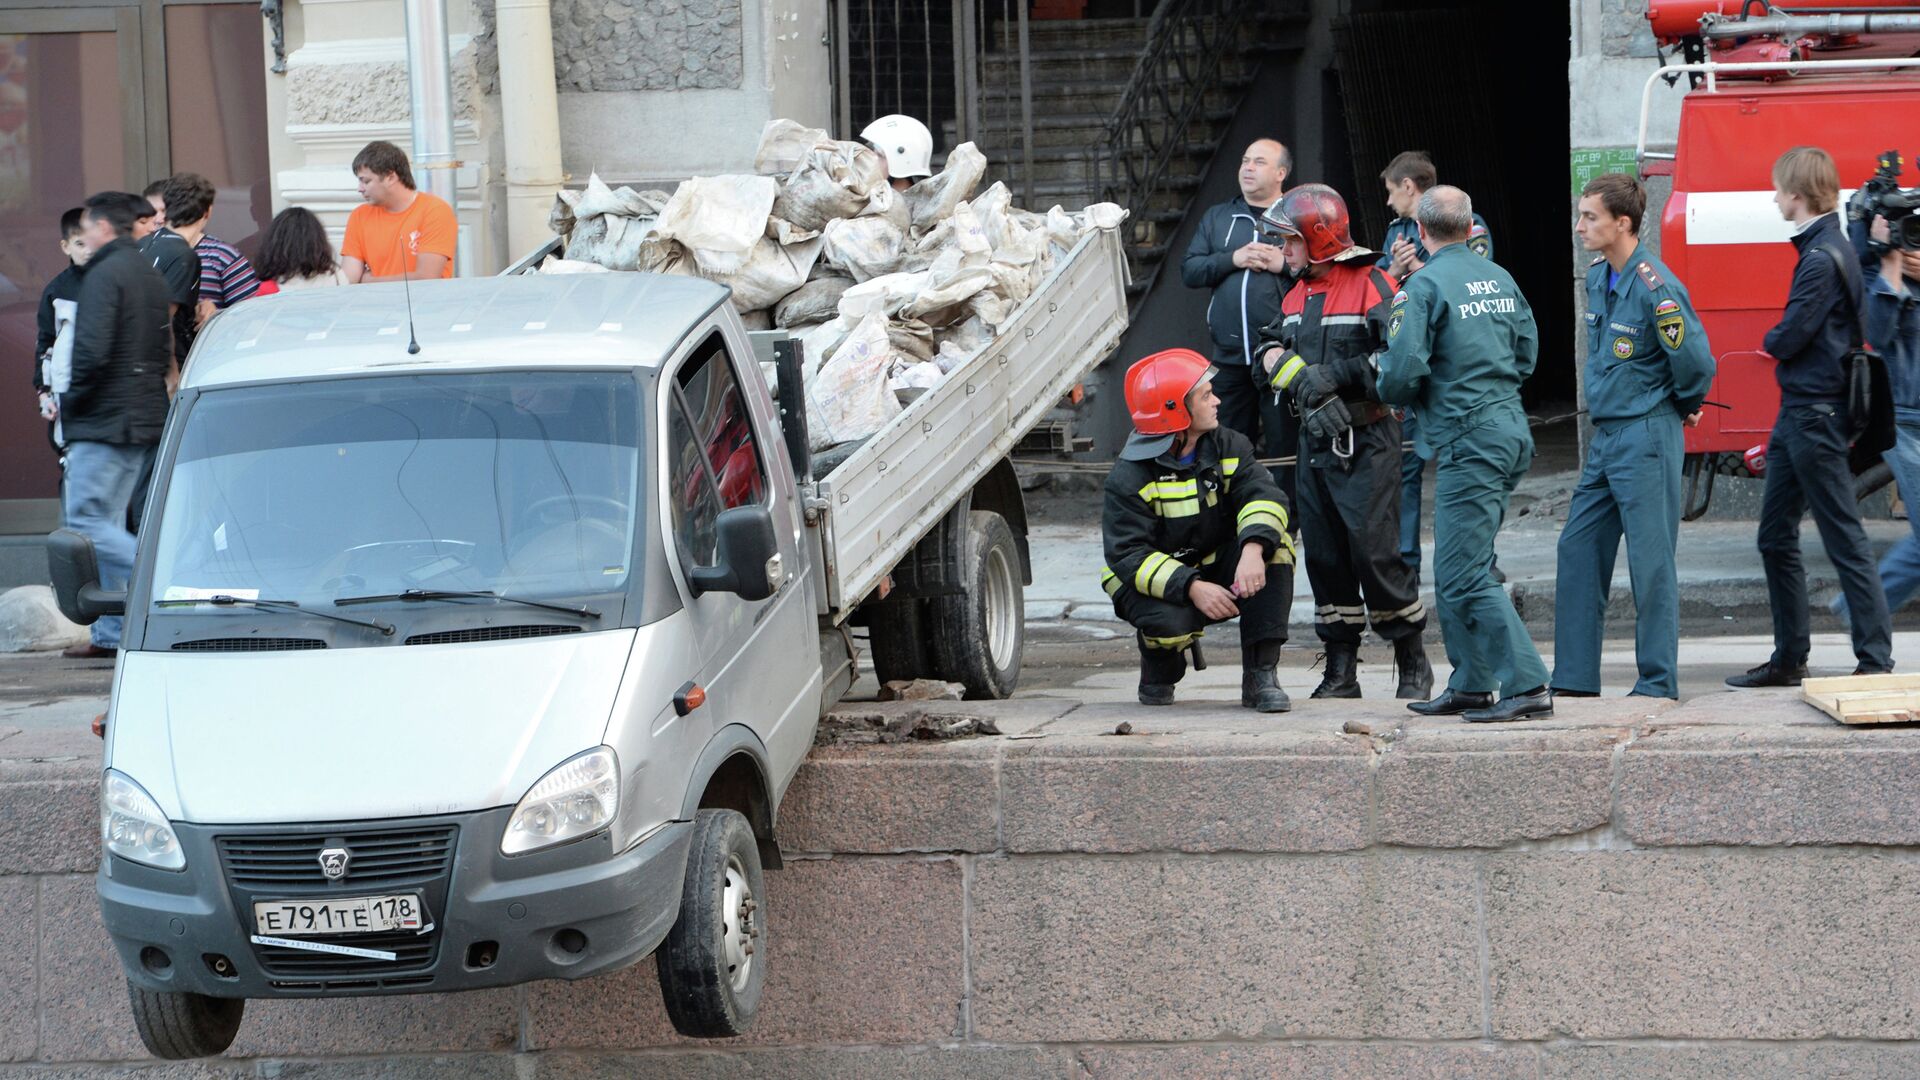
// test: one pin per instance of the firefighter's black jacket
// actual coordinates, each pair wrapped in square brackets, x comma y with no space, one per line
[1163,520]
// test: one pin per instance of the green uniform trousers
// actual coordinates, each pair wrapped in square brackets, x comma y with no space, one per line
[1631,485]
[1474,477]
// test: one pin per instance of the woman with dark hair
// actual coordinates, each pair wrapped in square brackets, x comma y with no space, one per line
[295,253]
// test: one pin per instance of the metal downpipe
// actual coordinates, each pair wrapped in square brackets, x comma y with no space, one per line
[530,117]
[430,84]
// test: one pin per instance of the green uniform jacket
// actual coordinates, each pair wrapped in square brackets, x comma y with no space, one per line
[1479,240]
[1645,344]
[1163,520]
[1460,341]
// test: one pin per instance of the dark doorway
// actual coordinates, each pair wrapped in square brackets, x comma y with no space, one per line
[1482,88]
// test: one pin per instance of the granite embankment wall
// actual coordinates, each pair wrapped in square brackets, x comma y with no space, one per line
[1727,888]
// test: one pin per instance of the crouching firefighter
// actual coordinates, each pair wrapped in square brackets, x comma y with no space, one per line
[1195,531]
[1321,350]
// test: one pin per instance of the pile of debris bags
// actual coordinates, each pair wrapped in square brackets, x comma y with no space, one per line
[888,290]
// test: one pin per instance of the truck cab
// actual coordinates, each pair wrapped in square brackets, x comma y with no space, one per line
[459,666]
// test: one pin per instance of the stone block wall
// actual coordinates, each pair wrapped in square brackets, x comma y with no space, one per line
[1723,889]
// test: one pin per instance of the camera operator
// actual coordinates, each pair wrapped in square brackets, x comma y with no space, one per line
[1893,329]
[1807,467]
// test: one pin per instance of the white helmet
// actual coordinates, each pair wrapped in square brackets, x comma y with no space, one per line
[904,142]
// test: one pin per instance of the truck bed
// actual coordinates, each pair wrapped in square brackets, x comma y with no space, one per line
[890,492]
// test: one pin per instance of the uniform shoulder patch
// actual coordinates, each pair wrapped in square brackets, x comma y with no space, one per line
[1393,323]
[1479,245]
[1673,330]
[1649,275]
[1666,307]
[1399,298]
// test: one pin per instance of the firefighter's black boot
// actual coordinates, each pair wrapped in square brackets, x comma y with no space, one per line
[1342,678]
[1259,686]
[1159,670]
[1416,674]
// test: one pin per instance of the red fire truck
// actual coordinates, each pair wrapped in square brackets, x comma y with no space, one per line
[1837,74]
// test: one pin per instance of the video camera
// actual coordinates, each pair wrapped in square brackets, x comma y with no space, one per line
[1882,196]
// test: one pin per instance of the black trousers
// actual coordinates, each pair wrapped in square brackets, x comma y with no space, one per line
[1807,470]
[1166,627]
[1349,514]
[1250,408]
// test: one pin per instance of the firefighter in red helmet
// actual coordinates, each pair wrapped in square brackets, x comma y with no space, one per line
[1321,350]
[1196,533]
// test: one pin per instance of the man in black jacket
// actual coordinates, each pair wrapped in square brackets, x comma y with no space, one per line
[1807,453]
[113,409]
[1248,278]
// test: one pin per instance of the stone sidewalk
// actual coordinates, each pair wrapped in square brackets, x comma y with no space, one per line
[1632,889]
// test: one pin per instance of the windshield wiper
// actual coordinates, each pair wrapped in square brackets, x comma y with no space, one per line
[418,595]
[223,600]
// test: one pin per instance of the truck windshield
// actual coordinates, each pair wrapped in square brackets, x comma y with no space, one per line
[520,483]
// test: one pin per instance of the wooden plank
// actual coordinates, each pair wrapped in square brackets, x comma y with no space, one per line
[1866,699]
[1844,683]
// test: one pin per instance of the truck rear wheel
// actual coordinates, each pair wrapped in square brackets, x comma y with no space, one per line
[180,1025]
[713,963]
[979,634]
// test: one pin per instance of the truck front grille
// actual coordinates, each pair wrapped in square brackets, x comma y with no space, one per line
[379,857]
[412,952]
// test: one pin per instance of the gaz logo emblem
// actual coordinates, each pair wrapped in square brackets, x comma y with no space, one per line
[334,862]
[1623,347]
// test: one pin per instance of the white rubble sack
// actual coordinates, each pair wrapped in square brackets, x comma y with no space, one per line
[30,621]
[783,143]
[719,220]
[865,247]
[557,265]
[933,199]
[849,397]
[834,180]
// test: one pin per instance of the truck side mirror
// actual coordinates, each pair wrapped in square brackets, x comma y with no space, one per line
[748,563]
[76,579]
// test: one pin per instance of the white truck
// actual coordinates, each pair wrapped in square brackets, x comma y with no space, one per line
[490,660]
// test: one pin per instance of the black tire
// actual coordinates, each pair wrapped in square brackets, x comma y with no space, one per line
[979,634]
[179,1025]
[896,636]
[706,995]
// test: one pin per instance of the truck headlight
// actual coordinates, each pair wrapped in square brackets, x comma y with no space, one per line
[577,797]
[132,826]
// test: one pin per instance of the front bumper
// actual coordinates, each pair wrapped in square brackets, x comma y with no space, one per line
[573,911]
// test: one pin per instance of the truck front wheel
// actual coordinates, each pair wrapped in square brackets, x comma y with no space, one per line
[979,633]
[713,963]
[180,1025]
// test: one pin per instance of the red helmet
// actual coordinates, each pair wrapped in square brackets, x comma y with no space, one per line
[1317,215]
[1157,389]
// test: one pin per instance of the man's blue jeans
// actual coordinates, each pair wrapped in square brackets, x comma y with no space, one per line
[1900,568]
[100,481]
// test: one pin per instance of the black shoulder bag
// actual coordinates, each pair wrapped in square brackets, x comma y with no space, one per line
[1870,424]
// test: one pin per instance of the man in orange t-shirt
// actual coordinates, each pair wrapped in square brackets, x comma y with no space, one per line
[401,231]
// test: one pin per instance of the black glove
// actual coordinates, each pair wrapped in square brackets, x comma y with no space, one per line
[1313,383]
[1329,419]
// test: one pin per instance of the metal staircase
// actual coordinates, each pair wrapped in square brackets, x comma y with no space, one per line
[1129,111]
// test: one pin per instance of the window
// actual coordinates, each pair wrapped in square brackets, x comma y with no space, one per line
[715,459]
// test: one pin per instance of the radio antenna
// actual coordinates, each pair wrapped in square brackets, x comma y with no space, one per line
[406,285]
